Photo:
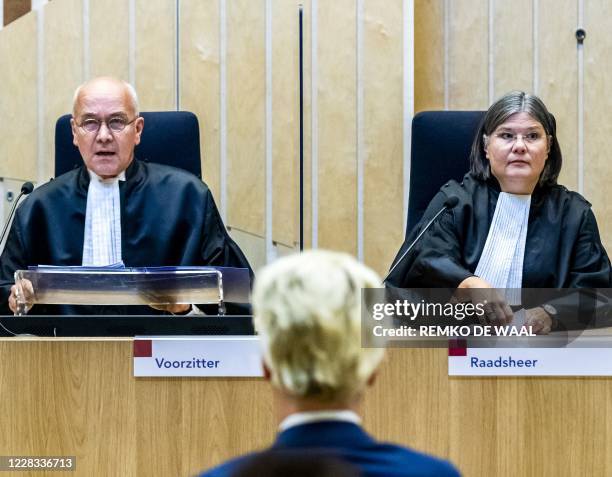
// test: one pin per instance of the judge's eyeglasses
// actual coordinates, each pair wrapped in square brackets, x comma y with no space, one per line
[114,124]
[509,138]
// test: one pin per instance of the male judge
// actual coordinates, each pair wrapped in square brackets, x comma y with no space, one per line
[307,312]
[114,208]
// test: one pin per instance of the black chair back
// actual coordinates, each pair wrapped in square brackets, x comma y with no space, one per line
[168,137]
[441,144]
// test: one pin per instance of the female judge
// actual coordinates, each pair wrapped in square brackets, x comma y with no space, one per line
[513,226]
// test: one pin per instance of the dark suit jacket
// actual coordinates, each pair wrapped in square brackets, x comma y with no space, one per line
[350,443]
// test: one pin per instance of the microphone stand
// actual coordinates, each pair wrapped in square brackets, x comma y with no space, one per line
[26,188]
[451,202]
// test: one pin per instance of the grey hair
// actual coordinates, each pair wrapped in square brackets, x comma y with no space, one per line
[307,310]
[130,89]
[509,104]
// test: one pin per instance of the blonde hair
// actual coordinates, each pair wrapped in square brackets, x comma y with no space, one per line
[307,310]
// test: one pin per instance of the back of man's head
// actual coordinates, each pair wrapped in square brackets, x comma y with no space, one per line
[307,311]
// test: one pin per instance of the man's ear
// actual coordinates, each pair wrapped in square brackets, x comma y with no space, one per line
[267,373]
[73,126]
[372,379]
[138,126]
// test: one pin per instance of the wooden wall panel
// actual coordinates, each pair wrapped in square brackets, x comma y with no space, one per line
[77,399]
[409,416]
[382,131]
[513,47]
[74,406]
[63,68]
[515,413]
[18,100]
[607,411]
[597,106]
[428,55]
[515,424]
[246,93]
[214,405]
[155,54]
[570,444]
[468,54]
[285,122]
[558,73]
[468,416]
[109,39]
[337,126]
[199,80]
[152,453]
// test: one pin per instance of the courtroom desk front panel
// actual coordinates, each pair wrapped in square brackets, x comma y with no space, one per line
[79,397]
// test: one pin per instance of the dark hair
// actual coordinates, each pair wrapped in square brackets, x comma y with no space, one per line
[509,104]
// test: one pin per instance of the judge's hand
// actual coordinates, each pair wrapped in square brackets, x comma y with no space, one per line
[477,290]
[21,292]
[175,308]
[539,320]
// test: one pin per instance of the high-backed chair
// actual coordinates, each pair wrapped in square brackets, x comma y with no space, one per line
[169,137]
[441,143]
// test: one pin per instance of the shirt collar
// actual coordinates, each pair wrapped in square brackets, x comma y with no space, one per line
[93,175]
[307,417]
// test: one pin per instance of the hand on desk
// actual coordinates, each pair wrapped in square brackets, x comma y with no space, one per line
[539,320]
[20,300]
[175,309]
[477,290]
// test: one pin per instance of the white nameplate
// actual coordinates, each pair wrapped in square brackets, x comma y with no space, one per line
[210,356]
[532,362]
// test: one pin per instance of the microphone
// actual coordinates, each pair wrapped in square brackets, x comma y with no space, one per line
[26,188]
[449,203]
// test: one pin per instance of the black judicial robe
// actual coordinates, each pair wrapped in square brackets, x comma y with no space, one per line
[168,218]
[562,250]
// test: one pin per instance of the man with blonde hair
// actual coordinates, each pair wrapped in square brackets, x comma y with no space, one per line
[307,310]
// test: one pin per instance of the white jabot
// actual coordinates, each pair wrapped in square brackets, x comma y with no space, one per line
[299,418]
[501,262]
[102,237]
